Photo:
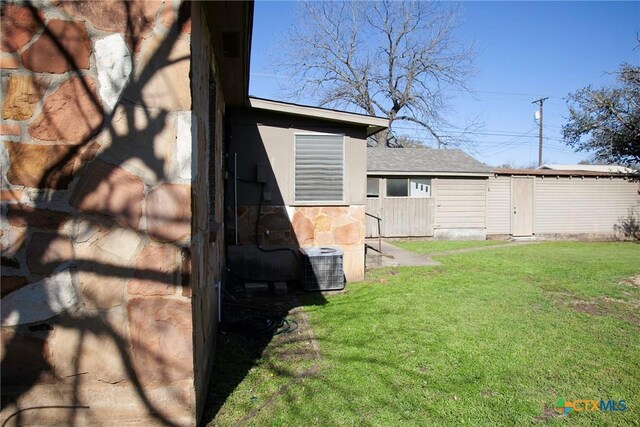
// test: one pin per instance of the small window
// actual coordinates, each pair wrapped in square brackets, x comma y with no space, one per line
[408,187]
[397,187]
[373,187]
[319,168]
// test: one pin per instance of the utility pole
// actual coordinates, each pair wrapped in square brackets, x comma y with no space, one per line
[540,101]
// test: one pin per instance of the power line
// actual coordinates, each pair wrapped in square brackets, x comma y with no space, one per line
[495,92]
[524,134]
[459,132]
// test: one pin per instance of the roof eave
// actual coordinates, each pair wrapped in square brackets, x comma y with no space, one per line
[428,173]
[373,124]
[372,130]
[551,172]
[231,26]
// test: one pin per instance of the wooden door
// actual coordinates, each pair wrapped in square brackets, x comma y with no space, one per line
[522,204]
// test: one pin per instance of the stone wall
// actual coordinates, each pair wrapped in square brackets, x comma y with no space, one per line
[96,213]
[340,226]
[295,227]
[207,240]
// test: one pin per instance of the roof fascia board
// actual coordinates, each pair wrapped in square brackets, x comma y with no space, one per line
[427,173]
[552,173]
[374,124]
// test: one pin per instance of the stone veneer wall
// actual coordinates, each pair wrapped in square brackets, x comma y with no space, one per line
[207,267]
[96,213]
[339,226]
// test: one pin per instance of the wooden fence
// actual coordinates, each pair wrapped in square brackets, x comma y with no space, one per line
[401,217]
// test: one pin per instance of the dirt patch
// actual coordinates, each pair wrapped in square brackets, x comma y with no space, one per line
[425,369]
[547,413]
[635,304]
[563,299]
[623,309]
[588,307]
[633,319]
[632,281]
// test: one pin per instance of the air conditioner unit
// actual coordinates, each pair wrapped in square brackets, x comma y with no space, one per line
[321,269]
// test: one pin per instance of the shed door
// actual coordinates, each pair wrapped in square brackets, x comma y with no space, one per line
[522,201]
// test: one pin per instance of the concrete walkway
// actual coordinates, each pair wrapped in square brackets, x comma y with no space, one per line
[393,256]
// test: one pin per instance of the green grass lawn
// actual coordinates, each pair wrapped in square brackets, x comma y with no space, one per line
[489,338]
[433,246]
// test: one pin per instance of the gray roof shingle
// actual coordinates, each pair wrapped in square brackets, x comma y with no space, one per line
[422,160]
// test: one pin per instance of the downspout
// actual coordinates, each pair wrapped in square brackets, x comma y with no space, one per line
[235,194]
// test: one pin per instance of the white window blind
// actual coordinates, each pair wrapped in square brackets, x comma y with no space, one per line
[319,173]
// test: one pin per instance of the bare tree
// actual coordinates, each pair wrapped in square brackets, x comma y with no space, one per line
[405,141]
[393,59]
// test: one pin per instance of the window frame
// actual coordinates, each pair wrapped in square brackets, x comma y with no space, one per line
[378,195]
[408,180]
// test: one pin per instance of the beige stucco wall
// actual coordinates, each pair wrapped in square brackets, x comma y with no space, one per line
[268,138]
[279,142]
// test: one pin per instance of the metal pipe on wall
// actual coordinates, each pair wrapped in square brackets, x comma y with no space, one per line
[235,193]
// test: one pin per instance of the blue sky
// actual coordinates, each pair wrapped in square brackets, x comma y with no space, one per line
[525,50]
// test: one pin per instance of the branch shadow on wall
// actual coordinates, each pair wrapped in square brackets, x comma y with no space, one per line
[39,298]
[79,242]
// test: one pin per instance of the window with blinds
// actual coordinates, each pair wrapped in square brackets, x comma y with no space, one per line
[319,174]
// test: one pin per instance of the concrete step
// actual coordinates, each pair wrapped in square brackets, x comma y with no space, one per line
[376,260]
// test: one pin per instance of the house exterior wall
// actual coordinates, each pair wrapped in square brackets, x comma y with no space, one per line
[565,206]
[461,205]
[267,138]
[96,214]
[499,205]
[461,202]
[401,216]
[208,202]
[562,206]
[455,210]
[588,205]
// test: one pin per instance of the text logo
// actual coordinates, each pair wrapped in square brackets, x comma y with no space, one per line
[590,405]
